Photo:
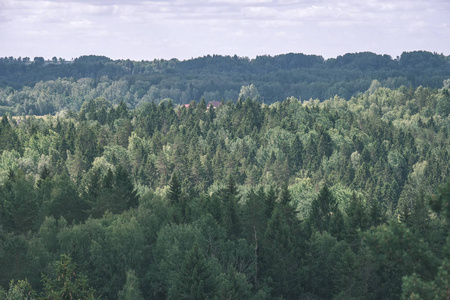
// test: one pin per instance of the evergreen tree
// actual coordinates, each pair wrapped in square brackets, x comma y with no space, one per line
[124,189]
[65,201]
[270,201]
[231,217]
[324,146]
[67,284]
[196,279]
[230,212]
[281,257]
[174,193]
[177,199]
[347,280]
[131,289]
[19,203]
[234,285]
[295,154]
[323,208]
[357,219]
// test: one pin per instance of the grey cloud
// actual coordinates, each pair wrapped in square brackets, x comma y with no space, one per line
[246,27]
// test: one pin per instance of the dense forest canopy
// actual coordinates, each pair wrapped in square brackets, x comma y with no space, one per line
[334,199]
[285,177]
[39,87]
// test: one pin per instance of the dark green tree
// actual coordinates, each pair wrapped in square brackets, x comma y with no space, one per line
[323,209]
[196,279]
[131,289]
[19,203]
[270,201]
[280,257]
[66,283]
[296,154]
[358,219]
[234,285]
[231,218]
[65,201]
[177,199]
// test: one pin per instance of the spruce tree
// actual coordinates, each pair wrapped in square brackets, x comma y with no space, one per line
[196,280]
[280,255]
[270,201]
[131,289]
[174,193]
[67,284]
[322,210]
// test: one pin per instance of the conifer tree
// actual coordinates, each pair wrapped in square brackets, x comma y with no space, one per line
[357,219]
[66,284]
[234,285]
[295,153]
[177,199]
[231,218]
[196,280]
[174,193]
[322,210]
[281,257]
[270,201]
[131,289]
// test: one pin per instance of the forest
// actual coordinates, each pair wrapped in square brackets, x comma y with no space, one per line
[106,197]
[40,87]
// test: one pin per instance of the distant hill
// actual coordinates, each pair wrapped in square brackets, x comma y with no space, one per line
[216,77]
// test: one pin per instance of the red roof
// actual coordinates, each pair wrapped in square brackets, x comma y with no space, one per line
[215,104]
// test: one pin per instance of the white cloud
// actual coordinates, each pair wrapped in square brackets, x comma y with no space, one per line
[81,24]
[143,29]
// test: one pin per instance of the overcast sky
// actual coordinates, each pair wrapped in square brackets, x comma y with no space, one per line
[138,29]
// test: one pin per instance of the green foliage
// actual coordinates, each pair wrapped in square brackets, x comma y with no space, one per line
[415,288]
[66,284]
[323,252]
[21,290]
[233,285]
[323,210]
[42,87]
[196,279]
[64,200]
[294,199]
[131,290]
[440,203]
[20,203]
[400,253]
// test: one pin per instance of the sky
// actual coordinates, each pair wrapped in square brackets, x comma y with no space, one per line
[148,29]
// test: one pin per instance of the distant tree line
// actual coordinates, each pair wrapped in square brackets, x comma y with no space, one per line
[37,86]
